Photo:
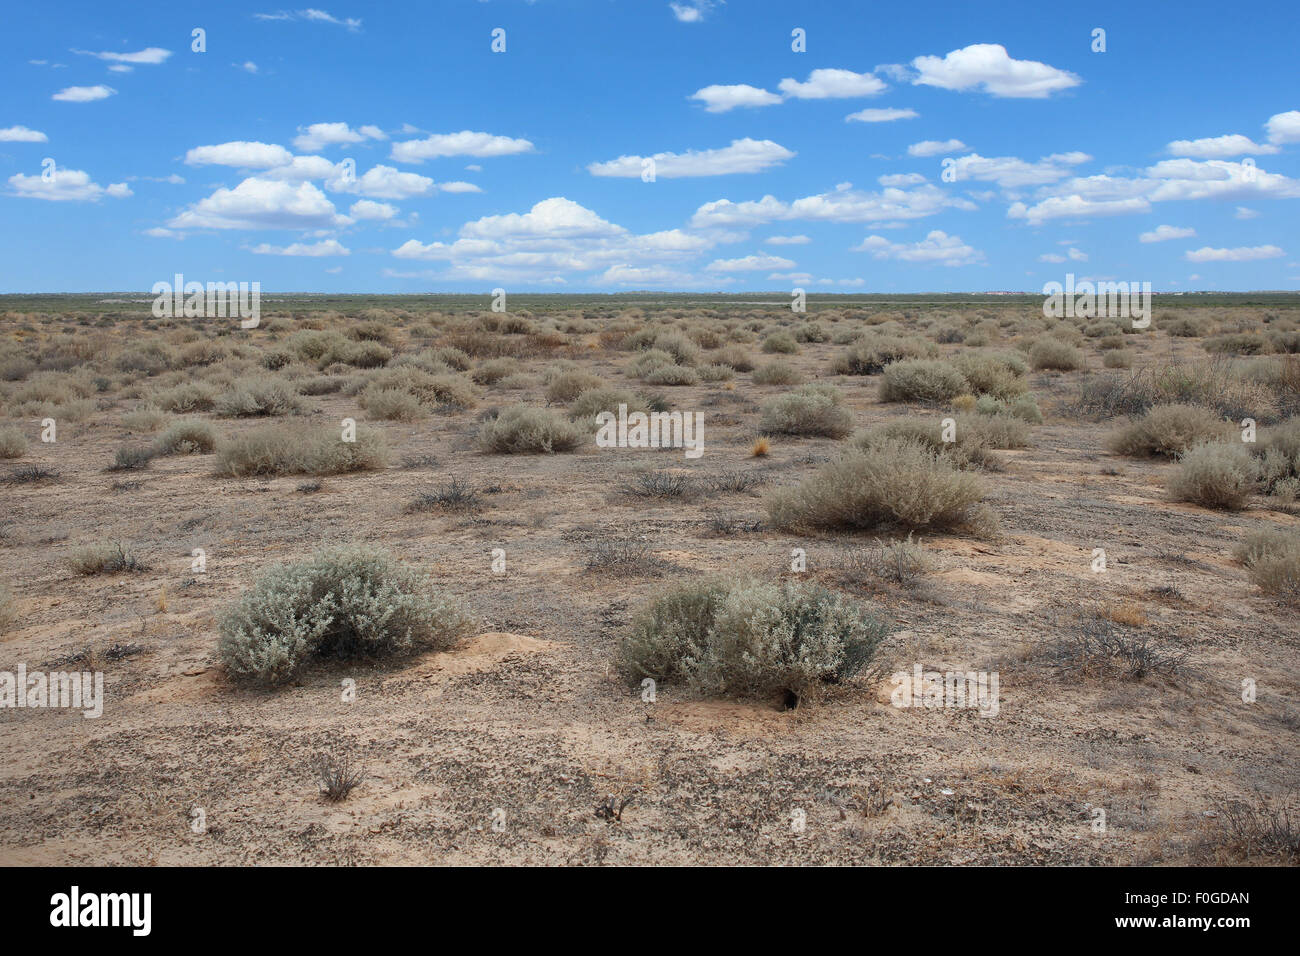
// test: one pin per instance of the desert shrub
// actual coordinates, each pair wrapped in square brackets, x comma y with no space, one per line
[258,398]
[13,444]
[431,391]
[1118,359]
[672,375]
[1167,431]
[1272,559]
[345,603]
[1215,475]
[394,405]
[1055,354]
[716,373]
[132,458]
[149,359]
[921,380]
[568,384]
[296,450]
[8,607]
[187,437]
[493,370]
[809,410]
[751,639]
[1278,452]
[277,359]
[201,354]
[321,385]
[780,342]
[1025,407]
[1184,327]
[525,430]
[681,349]
[899,483]
[1238,343]
[1000,374]
[590,403]
[648,361]
[186,397]
[105,558]
[16,369]
[735,357]
[1285,342]
[776,373]
[974,438]
[371,332]
[810,332]
[872,352]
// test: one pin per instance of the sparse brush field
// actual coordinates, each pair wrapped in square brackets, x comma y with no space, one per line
[362,584]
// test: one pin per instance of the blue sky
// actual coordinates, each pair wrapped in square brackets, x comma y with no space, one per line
[388,148]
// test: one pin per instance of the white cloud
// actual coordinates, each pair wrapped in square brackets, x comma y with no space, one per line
[368,209]
[83,94]
[1165,233]
[1077,255]
[787,240]
[554,218]
[931,147]
[1058,207]
[151,56]
[248,66]
[464,143]
[691,12]
[312,15]
[1051,257]
[457,186]
[749,264]
[1284,127]
[244,155]
[887,115]
[987,66]
[1011,172]
[317,136]
[1218,147]
[742,156]
[1245,213]
[327,247]
[936,247]
[21,134]
[258,203]
[383,182]
[900,179]
[720,99]
[832,84]
[67,185]
[842,204]
[1240,254]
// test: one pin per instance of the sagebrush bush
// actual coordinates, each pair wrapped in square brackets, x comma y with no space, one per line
[259,397]
[1167,431]
[393,404]
[187,437]
[105,557]
[751,639]
[898,483]
[780,342]
[1055,354]
[1000,374]
[525,430]
[872,352]
[593,401]
[1025,408]
[295,450]
[344,603]
[1278,451]
[8,607]
[808,410]
[568,384]
[921,380]
[430,390]
[13,444]
[672,375]
[1215,475]
[1120,358]
[1272,558]
[735,357]
[187,397]
[974,438]
[776,373]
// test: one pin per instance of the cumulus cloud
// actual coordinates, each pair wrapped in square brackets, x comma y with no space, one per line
[318,136]
[843,204]
[259,203]
[693,12]
[241,154]
[720,99]
[931,147]
[21,134]
[1218,147]
[1245,213]
[368,209]
[936,247]
[832,84]
[312,15]
[1165,233]
[464,143]
[787,240]
[1284,127]
[382,182]
[66,185]
[1240,254]
[749,264]
[327,247]
[988,67]
[887,115]
[83,94]
[742,156]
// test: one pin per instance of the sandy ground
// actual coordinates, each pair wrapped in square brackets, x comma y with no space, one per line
[502,750]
